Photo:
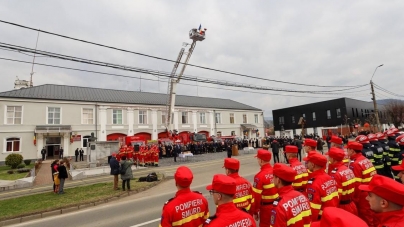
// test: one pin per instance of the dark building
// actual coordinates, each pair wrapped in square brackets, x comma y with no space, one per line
[331,113]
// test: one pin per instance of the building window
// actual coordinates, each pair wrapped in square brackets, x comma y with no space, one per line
[163,117]
[88,118]
[184,117]
[233,133]
[14,115]
[54,115]
[281,120]
[314,116]
[244,118]
[256,118]
[202,118]
[219,134]
[328,114]
[13,144]
[142,117]
[232,118]
[117,117]
[293,119]
[218,118]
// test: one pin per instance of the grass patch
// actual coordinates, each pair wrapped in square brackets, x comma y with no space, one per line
[15,176]
[32,204]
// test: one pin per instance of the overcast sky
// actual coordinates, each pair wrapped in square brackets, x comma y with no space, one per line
[334,43]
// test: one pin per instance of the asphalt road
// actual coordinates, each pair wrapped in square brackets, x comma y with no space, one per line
[144,208]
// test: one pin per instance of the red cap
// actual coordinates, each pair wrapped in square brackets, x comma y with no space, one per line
[336,139]
[310,142]
[291,149]
[395,130]
[284,172]
[222,183]
[183,176]
[333,216]
[336,153]
[386,188]
[380,136]
[400,140]
[265,155]
[317,159]
[391,132]
[398,167]
[362,139]
[113,154]
[372,137]
[231,163]
[355,146]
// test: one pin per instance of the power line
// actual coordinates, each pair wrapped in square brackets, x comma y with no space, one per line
[134,77]
[155,72]
[165,59]
[386,91]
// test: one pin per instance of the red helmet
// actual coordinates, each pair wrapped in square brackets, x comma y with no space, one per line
[400,140]
[380,136]
[362,139]
[391,132]
[372,137]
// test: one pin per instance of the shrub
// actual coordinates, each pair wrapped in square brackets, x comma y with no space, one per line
[27,162]
[23,170]
[13,160]
[10,171]
[20,166]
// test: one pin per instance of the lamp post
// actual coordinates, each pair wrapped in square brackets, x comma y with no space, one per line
[374,99]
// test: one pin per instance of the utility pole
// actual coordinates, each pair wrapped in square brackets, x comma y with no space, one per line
[374,100]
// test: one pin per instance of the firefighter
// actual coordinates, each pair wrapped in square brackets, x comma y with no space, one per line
[333,216]
[386,159]
[142,156]
[377,153]
[291,208]
[394,149]
[243,197]
[264,191]
[309,145]
[366,151]
[300,182]
[186,208]
[337,142]
[398,168]
[386,199]
[156,155]
[222,190]
[364,171]
[344,177]
[321,189]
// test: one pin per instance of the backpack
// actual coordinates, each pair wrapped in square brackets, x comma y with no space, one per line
[151,177]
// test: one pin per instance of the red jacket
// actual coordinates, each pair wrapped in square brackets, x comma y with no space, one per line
[243,197]
[264,190]
[302,176]
[186,209]
[292,208]
[363,170]
[345,179]
[391,219]
[322,192]
[228,215]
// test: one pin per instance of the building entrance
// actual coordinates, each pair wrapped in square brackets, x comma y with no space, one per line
[52,146]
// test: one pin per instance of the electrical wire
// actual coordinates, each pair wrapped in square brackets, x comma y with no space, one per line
[386,91]
[169,60]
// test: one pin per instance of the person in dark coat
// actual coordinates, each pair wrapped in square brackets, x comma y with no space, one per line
[298,144]
[177,150]
[43,153]
[229,151]
[54,171]
[275,150]
[76,153]
[62,176]
[81,154]
[126,165]
[61,153]
[114,164]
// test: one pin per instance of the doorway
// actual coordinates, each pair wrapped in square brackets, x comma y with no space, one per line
[52,146]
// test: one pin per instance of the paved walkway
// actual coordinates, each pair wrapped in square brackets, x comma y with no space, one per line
[44,175]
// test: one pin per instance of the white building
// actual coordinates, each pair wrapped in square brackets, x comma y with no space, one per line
[55,116]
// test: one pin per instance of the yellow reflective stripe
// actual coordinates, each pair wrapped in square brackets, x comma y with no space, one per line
[345,160]
[188,219]
[347,192]
[270,196]
[394,149]
[307,225]
[301,175]
[241,199]
[206,216]
[257,190]
[268,186]
[379,166]
[371,169]
[252,200]
[315,206]
[366,180]
[304,182]
[391,155]
[297,184]
[329,197]
[299,217]
[339,190]
[346,183]
[377,156]
[358,179]
[248,207]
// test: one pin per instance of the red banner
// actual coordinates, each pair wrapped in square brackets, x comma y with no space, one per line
[77,138]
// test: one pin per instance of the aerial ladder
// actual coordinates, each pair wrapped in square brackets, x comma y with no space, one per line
[195,35]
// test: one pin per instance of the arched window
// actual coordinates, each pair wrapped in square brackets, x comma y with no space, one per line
[13,144]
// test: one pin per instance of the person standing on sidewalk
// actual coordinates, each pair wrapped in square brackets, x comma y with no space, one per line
[81,154]
[126,165]
[61,153]
[62,176]
[76,153]
[43,153]
[114,164]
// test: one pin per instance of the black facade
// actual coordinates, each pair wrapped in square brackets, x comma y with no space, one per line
[329,113]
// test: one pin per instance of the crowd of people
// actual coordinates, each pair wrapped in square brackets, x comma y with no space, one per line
[340,188]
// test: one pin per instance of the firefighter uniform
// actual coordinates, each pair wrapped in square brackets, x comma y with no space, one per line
[394,150]
[366,151]
[377,153]
[345,179]
[300,182]
[292,208]
[187,208]
[400,142]
[386,159]
[264,191]
[364,171]
[321,189]
[142,156]
[243,196]
[400,170]
[337,142]
[391,191]
[333,216]
[227,214]
[156,155]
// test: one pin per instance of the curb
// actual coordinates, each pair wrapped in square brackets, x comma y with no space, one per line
[65,210]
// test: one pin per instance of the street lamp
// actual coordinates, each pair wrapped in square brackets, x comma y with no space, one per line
[374,99]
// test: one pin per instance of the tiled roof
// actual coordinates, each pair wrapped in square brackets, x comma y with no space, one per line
[87,94]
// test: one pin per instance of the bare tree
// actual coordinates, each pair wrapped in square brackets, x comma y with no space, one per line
[395,112]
